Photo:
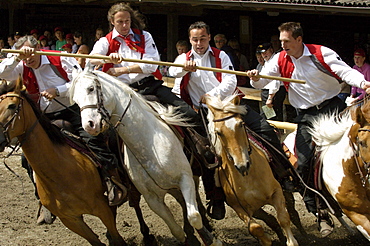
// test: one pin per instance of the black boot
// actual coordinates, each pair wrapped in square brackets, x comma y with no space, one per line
[116,191]
[325,223]
[216,206]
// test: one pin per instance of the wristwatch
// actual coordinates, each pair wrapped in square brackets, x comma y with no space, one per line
[57,92]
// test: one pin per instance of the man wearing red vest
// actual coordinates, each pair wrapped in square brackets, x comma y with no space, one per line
[197,83]
[321,68]
[47,78]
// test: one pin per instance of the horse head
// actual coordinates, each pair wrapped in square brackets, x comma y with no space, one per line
[10,106]
[86,91]
[228,132]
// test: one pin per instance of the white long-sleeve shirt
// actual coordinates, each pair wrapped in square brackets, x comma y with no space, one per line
[319,86]
[151,53]
[205,82]
[46,78]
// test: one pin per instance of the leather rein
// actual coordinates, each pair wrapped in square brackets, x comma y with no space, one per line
[365,163]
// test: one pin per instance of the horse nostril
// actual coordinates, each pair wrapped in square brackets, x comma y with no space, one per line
[91,123]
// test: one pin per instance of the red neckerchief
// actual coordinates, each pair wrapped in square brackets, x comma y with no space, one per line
[132,44]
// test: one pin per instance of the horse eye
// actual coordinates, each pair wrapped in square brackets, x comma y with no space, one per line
[12,106]
[363,144]
[90,89]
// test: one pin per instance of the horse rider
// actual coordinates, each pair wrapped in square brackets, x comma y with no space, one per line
[323,71]
[197,83]
[47,78]
[128,39]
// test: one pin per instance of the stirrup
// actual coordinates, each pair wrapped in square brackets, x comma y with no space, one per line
[44,216]
[325,224]
[116,192]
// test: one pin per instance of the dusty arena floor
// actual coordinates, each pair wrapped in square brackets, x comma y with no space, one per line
[18,207]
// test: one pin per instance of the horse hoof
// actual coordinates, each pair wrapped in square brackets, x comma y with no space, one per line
[45,216]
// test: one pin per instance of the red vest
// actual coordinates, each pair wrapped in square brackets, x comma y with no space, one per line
[29,78]
[286,65]
[115,44]
[215,62]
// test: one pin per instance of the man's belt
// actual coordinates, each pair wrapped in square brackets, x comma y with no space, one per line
[317,107]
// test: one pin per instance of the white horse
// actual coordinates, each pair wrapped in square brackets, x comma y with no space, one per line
[154,157]
[344,143]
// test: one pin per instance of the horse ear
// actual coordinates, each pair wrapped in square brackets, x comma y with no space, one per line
[88,67]
[236,100]
[18,85]
[353,132]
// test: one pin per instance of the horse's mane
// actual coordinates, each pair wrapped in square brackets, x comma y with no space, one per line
[329,128]
[226,106]
[168,114]
[51,130]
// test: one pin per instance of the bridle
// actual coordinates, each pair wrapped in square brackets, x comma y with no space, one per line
[100,105]
[356,149]
[10,122]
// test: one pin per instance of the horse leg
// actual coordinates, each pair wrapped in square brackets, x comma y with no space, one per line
[361,221]
[191,239]
[77,225]
[187,188]
[107,215]
[278,202]
[158,206]
[134,201]
[270,221]
[293,213]
[202,210]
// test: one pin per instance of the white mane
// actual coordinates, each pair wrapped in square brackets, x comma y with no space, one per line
[328,129]
[168,114]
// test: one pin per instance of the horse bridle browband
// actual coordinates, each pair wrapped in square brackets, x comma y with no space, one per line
[226,118]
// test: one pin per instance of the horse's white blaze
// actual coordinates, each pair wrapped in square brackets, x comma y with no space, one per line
[231,123]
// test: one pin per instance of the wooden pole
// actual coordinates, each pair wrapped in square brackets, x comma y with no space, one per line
[160,63]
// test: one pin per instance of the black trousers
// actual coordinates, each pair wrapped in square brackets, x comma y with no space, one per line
[305,147]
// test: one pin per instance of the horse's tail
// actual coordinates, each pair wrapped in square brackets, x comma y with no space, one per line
[171,115]
[329,128]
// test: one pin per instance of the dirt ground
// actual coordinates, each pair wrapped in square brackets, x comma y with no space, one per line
[18,208]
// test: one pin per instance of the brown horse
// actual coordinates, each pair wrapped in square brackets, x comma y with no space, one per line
[67,181]
[343,141]
[245,174]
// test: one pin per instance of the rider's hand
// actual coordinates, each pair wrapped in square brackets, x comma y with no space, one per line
[252,74]
[190,66]
[115,58]
[27,52]
[116,71]
[366,86]
[49,94]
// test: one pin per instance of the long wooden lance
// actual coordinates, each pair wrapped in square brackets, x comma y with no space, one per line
[159,63]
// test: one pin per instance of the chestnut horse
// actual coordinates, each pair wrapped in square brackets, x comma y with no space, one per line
[343,142]
[67,181]
[245,174]
[154,157]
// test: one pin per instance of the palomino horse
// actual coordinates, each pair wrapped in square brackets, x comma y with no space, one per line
[245,174]
[343,141]
[154,156]
[67,181]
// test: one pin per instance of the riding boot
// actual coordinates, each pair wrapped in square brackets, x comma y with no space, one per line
[202,145]
[116,191]
[325,223]
[216,204]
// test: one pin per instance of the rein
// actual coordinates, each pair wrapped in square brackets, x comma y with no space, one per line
[366,164]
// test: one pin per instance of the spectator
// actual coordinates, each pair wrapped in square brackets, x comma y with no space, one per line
[2,46]
[182,46]
[276,45]
[274,93]
[67,47]
[99,32]
[243,61]
[359,57]
[50,39]
[17,36]
[59,34]
[44,43]
[81,48]
[35,33]
[11,41]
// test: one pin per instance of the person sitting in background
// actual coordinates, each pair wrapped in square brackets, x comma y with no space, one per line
[243,61]
[35,33]
[359,57]
[70,40]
